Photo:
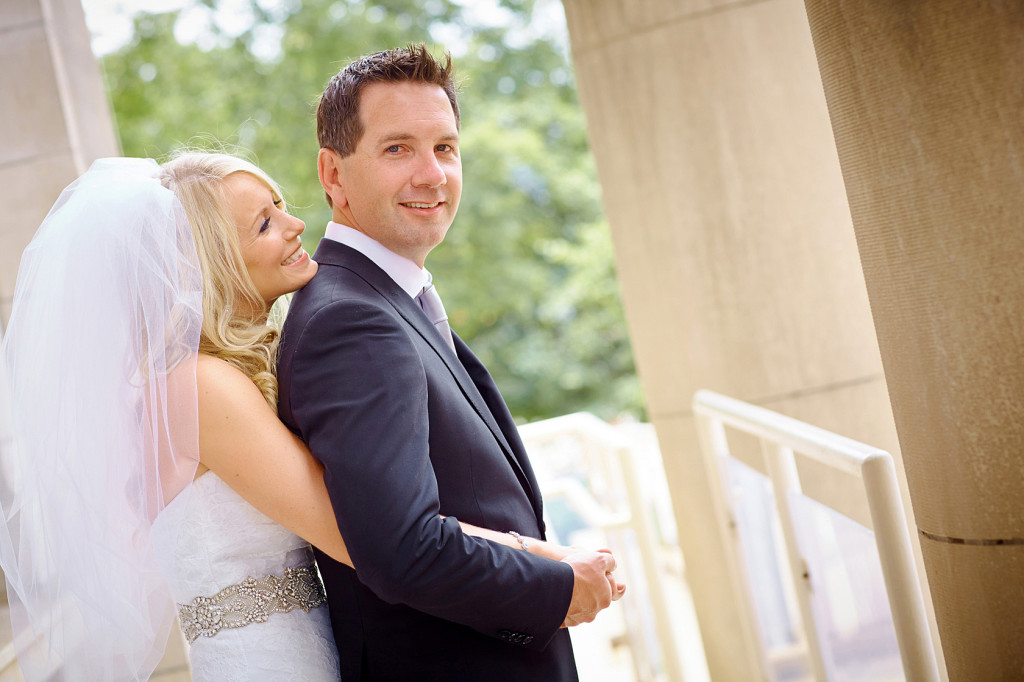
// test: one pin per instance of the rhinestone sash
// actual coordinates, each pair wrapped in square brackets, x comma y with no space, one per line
[252,601]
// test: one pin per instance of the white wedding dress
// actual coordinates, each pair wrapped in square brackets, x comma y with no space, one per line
[246,583]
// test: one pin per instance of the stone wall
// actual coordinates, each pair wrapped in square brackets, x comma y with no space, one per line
[54,118]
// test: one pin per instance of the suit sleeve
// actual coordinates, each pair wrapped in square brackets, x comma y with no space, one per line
[359,397]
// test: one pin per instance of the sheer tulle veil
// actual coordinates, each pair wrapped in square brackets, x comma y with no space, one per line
[98,423]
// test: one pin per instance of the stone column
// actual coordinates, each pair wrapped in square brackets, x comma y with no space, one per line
[926,100]
[54,118]
[733,241]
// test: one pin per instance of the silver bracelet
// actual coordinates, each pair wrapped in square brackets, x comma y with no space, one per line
[520,539]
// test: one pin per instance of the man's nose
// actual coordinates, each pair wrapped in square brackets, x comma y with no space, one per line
[429,173]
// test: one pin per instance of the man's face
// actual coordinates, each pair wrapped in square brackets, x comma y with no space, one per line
[402,184]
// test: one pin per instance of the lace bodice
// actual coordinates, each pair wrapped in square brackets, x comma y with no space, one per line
[210,539]
[221,541]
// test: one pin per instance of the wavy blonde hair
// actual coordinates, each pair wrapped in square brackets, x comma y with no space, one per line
[235,318]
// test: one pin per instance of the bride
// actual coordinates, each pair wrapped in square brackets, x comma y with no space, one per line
[147,474]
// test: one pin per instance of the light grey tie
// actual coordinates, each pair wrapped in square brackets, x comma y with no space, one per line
[434,309]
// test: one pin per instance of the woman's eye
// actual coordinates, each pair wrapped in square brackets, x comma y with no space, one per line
[265,226]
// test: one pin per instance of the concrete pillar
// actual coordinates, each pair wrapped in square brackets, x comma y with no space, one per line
[54,118]
[926,101]
[734,246]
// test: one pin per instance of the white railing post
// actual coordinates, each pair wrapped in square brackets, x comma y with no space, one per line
[648,550]
[715,450]
[901,586]
[785,479]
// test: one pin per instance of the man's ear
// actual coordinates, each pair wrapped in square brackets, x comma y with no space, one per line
[328,166]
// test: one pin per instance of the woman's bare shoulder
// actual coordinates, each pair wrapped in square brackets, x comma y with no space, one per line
[235,421]
[222,386]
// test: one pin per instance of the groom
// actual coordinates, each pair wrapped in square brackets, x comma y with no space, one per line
[406,421]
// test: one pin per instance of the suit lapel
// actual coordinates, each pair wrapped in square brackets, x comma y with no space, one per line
[505,424]
[334,253]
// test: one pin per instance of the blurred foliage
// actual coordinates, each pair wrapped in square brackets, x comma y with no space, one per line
[526,271]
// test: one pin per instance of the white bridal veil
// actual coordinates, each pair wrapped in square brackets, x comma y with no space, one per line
[99,365]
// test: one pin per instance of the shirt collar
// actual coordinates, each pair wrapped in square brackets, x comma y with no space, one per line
[411,277]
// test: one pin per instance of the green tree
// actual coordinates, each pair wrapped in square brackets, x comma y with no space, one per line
[527,269]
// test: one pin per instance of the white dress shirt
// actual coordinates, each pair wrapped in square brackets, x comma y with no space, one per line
[411,277]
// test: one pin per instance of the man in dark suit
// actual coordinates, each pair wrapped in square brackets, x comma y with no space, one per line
[406,420]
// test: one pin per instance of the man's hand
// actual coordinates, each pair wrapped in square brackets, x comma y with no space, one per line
[594,588]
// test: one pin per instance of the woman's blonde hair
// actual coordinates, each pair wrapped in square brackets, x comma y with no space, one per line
[235,326]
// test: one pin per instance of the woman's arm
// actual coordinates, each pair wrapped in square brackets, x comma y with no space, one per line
[534,546]
[242,441]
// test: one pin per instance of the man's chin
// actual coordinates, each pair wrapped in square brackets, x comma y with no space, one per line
[427,238]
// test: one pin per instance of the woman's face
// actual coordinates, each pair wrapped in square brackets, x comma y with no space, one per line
[269,238]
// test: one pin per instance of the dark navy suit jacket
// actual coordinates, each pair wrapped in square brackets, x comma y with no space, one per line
[406,430]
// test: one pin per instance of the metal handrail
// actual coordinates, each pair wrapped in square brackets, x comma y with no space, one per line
[785,436]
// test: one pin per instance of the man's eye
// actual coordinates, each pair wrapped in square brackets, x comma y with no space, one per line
[444,148]
[394,149]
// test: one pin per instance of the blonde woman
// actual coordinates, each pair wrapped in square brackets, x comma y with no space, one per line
[148,475]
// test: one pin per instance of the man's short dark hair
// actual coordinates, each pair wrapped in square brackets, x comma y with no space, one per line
[337,117]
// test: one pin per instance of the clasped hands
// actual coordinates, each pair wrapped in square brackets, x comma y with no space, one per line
[594,585]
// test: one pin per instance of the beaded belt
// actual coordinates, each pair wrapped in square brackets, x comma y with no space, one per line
[252,601]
